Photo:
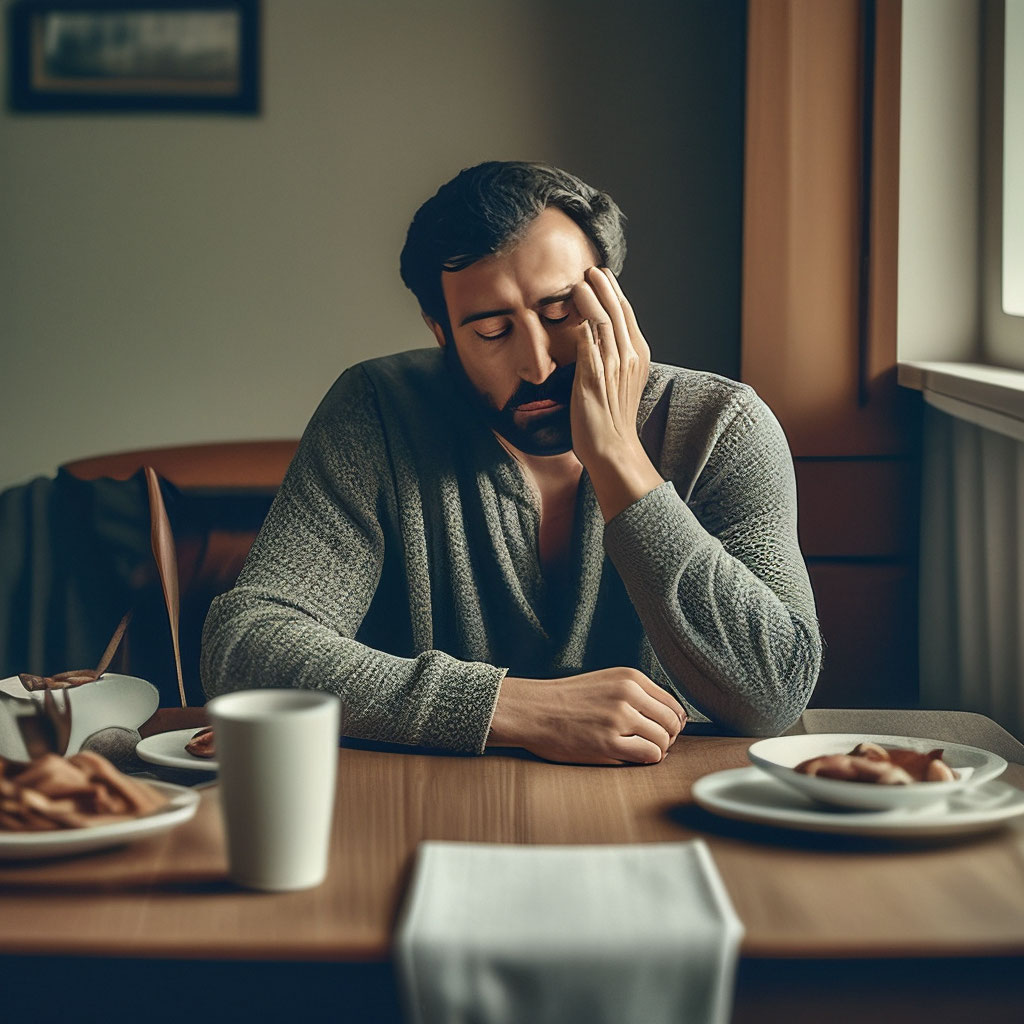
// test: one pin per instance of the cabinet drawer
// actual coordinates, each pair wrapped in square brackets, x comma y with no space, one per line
[852,508]
[868,618]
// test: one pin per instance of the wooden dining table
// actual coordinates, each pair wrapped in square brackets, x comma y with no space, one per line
[837,928]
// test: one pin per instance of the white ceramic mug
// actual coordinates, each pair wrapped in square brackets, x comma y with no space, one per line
[277,752]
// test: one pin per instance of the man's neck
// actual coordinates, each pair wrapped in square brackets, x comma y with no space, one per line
[556,480]
[549,473]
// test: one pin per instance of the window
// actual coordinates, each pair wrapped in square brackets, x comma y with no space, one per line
[1013,160]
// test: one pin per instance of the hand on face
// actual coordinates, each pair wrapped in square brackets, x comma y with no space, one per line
[612,364]
[521,328]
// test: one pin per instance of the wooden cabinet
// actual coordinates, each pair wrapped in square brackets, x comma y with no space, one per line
[867,613]
[819,323]
[858,533]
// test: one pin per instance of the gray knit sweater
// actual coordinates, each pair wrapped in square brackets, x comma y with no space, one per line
[399,567]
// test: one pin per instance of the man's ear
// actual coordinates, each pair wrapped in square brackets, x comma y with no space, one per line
[435,327]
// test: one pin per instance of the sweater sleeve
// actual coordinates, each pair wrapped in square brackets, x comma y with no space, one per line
[292,617]
[719,583]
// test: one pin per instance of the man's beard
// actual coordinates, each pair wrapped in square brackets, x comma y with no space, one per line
[544,433]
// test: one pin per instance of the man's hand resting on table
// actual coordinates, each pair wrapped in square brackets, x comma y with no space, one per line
[612,716]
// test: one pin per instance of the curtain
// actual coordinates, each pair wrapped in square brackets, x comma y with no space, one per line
[972,570]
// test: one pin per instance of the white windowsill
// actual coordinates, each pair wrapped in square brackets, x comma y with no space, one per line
[989,396]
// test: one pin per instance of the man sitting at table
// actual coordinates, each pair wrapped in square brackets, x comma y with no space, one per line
[530,536]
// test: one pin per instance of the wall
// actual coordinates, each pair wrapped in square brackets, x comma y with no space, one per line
[940,181]
[172,279]
[1002,333]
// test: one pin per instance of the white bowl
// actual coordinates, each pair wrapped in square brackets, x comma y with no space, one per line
[780,756]
[111,700]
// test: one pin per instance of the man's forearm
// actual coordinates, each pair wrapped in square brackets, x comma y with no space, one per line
[740,653]
[621,477]
[433,700]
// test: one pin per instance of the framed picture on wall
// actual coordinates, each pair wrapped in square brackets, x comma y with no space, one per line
[146,55]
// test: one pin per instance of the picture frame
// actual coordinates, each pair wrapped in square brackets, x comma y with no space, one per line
[135,55]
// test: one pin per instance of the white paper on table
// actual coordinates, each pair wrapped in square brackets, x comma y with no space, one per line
[503,934]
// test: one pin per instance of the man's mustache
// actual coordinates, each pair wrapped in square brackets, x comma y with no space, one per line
[557,388]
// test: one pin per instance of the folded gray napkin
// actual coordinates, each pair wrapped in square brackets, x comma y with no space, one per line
[498,934]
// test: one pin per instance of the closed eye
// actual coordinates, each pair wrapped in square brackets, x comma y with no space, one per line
[493,335]
[557,312]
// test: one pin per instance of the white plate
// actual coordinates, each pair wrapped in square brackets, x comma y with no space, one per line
[779,756]
[168,749]
[66,841]
[748,794]
[111,700]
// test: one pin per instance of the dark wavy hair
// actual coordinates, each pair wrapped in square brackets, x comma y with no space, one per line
[485,209]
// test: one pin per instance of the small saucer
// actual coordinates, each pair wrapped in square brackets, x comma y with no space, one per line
[168,749]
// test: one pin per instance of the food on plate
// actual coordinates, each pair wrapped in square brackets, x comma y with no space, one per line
[887,766]
[53,792]
[201,745]
[61,681]
[920,767]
